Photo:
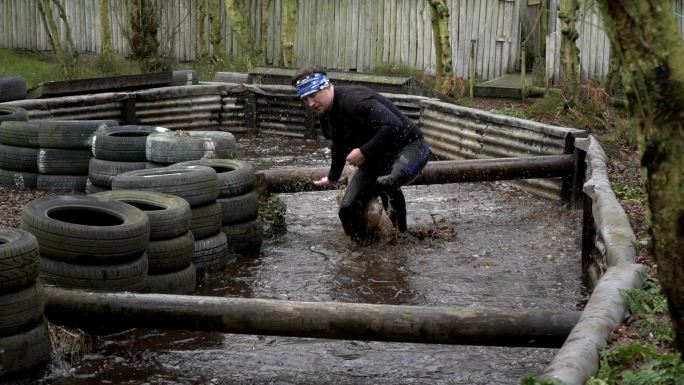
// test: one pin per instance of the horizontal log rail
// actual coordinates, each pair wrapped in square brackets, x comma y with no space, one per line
[333,320]
[296,179]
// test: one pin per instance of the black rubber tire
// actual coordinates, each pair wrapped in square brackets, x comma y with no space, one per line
[20,134]
[240,208]
[62,161]
[71,134]
[169,147]
[21,309]
[101,172]
[12,88]
[123,143]
[206,220]
[90,188]
[245,237]
[19,158]
[169,255]
[169,215]
[24,351]
[211,253]
[85,229]
[18,259]
[65,183]
[235,177]
[128,276]
[196,184]
[177,282]
[18,179]
[12,113]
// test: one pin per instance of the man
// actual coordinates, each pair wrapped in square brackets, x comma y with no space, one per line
[371,133]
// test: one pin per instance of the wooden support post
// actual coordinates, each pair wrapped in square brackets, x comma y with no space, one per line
[251,112]
[128,114]
[578,177]
[588,233]
[420,324]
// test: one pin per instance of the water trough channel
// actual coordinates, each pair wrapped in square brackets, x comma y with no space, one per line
[472,245]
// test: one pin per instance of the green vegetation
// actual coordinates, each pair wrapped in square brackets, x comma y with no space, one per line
[41,67]
[625,192]
[272,214]
[646,354]
[649,357]
[207,68]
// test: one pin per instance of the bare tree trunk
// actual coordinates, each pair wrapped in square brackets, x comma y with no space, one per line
[239,24]
[201,30]
[142,34]
[265,17]
[650,52]
[64,59]
[217,52]
[105,27]
[567,13]
[290,10]
[440,32]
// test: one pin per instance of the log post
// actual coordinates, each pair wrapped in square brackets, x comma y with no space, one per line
[336,320]
[295,179]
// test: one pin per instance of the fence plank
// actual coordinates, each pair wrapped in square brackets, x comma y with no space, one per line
[342,34]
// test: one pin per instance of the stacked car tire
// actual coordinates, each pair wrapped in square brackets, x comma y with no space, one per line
[166,148]
[24,335]
[172,244]
[19,150]
[239,203]
[65,152]
[115,150]
[89,243]
[198,185]
[48,155]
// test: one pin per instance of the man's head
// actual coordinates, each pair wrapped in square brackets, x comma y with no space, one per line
[314,88]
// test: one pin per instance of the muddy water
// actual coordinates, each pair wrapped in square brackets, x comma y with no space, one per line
[476,245]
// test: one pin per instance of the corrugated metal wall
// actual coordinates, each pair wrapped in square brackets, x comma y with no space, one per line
[456,132]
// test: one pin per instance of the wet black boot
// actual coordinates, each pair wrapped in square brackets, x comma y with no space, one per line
[396,209]
[398,218]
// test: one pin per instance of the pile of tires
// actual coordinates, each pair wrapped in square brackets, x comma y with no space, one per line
[12,88]
[239,203]
[65,152]
[19,151]
[89,243]
[24,336]
[117,149]
[12,114]
[166,148]
[198,185]
[48,155]
[171,247]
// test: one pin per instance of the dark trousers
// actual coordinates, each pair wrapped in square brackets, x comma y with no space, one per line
[364,186]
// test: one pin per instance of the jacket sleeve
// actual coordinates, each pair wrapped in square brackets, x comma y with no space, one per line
[387,127]
[339,158]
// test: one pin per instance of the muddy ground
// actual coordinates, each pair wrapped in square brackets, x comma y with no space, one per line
[475,245]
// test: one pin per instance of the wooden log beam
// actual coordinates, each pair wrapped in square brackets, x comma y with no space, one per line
[293,179]
[418,324]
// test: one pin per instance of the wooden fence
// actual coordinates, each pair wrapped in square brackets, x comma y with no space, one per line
[340,34]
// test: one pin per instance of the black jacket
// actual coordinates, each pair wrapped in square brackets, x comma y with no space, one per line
[361,117]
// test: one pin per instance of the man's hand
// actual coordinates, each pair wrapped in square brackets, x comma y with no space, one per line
[356,157]
[323,182]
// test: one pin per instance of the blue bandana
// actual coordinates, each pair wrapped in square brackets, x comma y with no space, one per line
[311,84]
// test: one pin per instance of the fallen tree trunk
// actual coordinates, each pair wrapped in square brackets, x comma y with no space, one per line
[421,324]
[439,172]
